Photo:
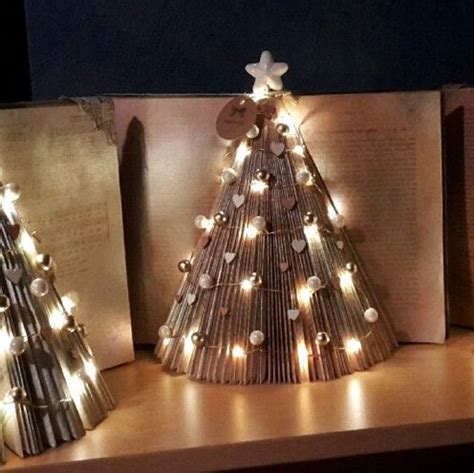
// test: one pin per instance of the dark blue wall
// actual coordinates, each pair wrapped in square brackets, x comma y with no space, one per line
[85,47]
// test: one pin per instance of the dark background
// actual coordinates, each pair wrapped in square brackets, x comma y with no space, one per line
[87,47]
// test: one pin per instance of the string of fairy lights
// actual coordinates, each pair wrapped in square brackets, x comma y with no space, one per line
[287,127]
[60,317]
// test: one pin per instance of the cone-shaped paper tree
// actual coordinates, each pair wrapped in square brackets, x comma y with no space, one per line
[274,291]
[50,387]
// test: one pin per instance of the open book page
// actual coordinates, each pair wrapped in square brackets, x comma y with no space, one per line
[380,155]
[65,161]
[458,108]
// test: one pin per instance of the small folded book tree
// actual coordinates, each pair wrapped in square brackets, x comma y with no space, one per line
[50,387]
[274,291]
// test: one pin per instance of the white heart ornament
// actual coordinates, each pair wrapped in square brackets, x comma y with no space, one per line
[229,257]
[14,275]
[340,244]
[191,298]
[293,314]
[238,200]
[277,148]
[298,245]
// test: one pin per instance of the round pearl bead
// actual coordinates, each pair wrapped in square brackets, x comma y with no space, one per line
[309,218]
[220,218]
[206,281]
[165,331]
[302,177]
[351,268]
[16,394]
[314,283]
[259,223]
[229,176]
[256,338]
[262,175]
[338,221]
[39,287]
[371,315]
[198,339]
[17,346]
[4,303]
[322,339]
[184,266]
[253,132]
[12,191]
[201,222]
[282,128]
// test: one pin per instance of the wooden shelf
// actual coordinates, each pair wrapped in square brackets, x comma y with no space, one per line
[422,397]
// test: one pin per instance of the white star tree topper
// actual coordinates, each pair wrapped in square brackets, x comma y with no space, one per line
[267,73]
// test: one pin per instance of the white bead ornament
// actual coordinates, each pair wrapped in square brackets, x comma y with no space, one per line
[201,222]
[164,331]
[12,192]
[253,132]
[314,283]
[338,221]
[256,338]
[206,281]
[302,177]
[39,287]
[259,223]
[229,176]
[17,346]
[371,315]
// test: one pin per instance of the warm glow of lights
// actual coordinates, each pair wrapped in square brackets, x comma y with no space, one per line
[27,243]
[303,354]
[90,369]
[258,186]
[336,208]
[5,340]
[298,149]
[345,278]
[331,212]
[238,352]
[69,302]
[259,95]
[9,209]
[353,346]
[304,294]
[287,119]
[246,285]
[8,408]
[241,153]
[57,319]
[76,386]
[251,232]
[312,232]
[188,346]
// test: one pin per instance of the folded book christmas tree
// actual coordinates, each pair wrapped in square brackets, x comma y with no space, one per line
[50,387]
[274,291]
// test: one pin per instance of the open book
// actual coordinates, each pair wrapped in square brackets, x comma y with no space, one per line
[380,155]
[63,157]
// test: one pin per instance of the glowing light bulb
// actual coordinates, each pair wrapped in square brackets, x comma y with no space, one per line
[9,210]
[298,149]
[238,351]
[251,232]
[188,346]
[258,186]
[5,340]
[27,243]
[304,294]
[241,153]
[90,369]
[57,320]
[70,302]
[76,386]
[353,346]
[312,232]
[345,279]
[246,285]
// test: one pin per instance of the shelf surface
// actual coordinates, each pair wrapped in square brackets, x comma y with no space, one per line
[422,397]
